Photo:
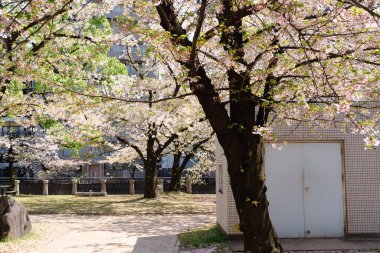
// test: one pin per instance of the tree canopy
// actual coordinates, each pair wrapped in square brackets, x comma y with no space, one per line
[250,64]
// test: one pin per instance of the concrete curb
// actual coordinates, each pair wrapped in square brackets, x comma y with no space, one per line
[177,245]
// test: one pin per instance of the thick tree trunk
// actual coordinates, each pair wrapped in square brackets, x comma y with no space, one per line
[12,170]
[150,166]
[243,149]
[150,178]
[12,173]
[177,170]
[175,180]
[247,178]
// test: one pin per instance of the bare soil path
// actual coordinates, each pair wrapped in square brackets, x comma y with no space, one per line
[116,234]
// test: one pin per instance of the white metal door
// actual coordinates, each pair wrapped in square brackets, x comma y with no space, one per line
[305,189]
[283,170]
[323,192]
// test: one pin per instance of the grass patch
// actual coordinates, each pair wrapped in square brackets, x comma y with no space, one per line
[32,235]
[202,237]
[30,240]
[167,203]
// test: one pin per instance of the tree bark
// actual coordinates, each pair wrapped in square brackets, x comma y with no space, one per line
[150,166]
[12,170]
[150,178]
[248,186]
[243,149]
[12,173]
[177,170]
[175,180]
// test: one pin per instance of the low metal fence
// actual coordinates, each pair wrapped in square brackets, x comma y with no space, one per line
[88,184]
[139,185]
[117,186]
[205,186]
[4,181]
[167,184]
[31,186]
[114,186]
[61,186]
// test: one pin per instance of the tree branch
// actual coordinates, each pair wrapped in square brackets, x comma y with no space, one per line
[127,143]
[196,36]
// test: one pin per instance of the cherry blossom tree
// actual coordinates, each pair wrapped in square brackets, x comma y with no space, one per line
[51,44]
[34,148]
[197,144]
[136,119]
[135,116]
[252,64]
[50,48]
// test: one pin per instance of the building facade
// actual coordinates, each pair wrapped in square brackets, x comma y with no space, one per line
[323,183]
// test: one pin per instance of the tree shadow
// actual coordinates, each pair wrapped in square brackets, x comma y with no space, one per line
[88,233]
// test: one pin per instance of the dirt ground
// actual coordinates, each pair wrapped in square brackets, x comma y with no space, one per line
[98,234]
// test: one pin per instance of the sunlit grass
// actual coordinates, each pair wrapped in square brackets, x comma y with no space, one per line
[168,203]
[203,237]
[26,244]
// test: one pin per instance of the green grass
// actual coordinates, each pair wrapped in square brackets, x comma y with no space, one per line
[32,235]
[202,237]
[168,203]
[36,236]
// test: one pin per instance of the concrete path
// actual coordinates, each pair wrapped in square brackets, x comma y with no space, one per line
[331,244]
[321,245]
[116,234]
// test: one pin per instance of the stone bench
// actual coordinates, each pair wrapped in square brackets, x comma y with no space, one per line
[10,193]
[91,194]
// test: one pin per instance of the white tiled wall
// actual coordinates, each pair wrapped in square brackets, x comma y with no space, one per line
[361,175]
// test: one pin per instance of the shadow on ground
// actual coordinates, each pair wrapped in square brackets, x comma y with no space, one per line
[132,233]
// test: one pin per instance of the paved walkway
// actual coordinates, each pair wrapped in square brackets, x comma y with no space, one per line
[116,234]
[321,245]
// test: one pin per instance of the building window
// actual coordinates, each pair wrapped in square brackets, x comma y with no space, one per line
[220,178]
[16,131]
[4,130]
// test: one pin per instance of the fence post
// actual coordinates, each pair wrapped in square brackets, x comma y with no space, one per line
[103,185]
[160,186]
[74,186]
[188,185]
[45,187]
[132,186]
[17,187]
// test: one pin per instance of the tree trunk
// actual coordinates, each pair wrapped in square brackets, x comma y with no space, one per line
[177,171]
[150,178]
[133,172]
[12,174]
[243,149]
[248,185]
[150,164]
[12,170]
[175,180]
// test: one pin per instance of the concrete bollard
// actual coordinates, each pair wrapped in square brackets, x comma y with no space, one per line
[45,187]
[188,185]
[74,186]
[17,187]
[132,186]
[103,187]
[160,186]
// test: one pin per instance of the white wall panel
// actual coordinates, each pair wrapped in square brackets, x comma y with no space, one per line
[323,190]
[283,170]
[305,189]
